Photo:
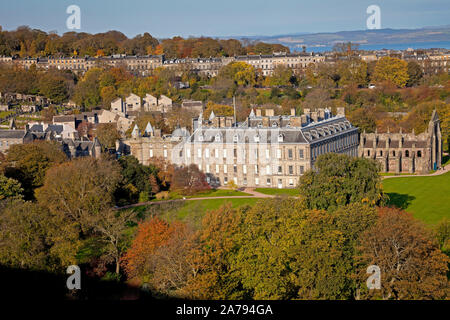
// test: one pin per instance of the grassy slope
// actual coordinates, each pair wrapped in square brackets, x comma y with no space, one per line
[428,198]
[276,191]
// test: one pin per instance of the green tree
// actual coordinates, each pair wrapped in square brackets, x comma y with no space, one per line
[28,163]
[415,74]
[353,72]
[9,188]
[23,238]
[340,180]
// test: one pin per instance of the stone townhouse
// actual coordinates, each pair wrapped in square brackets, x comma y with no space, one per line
[265,64]
[14,136]
[263,151]
[405,152]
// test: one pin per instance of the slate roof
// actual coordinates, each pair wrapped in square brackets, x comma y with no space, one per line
[11,134]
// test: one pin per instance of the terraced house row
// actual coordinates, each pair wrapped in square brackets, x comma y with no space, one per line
[143,65]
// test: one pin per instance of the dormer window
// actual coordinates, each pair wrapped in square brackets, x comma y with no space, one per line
[217,137]
[235,138]
[280,138]
[274,125]
[257,138]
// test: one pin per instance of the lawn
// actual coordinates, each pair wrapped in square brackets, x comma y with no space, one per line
[427,198]
[219,193]
[188,211]
[276,191]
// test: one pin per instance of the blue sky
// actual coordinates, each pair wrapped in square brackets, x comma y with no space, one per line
[222,18]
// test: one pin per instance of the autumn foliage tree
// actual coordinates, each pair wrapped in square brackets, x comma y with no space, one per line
[189,180]
[391,69]
[157,255]
[412,266]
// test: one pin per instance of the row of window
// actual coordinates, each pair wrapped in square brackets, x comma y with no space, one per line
[334,146]
[380,153]
[208,154]
[290,182]
[268,169]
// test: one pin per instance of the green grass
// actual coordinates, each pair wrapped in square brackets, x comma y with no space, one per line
[189,211]
[276,191]
[200,207]
[4,114]
[427,198]
[219,193]
[388,174]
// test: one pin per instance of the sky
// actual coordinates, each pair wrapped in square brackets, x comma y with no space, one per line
[168,18]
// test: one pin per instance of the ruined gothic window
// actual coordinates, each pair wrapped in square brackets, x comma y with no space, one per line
[419,154]
[381,153]
[407,153]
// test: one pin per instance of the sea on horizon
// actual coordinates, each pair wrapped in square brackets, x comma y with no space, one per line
[392,46]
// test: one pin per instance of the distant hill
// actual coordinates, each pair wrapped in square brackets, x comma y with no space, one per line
[363,37]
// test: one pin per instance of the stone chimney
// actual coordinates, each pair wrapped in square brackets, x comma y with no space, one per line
[321,114]
[307,112]
[229,121]
[296,121]
[270,113]
[258,112]
[304,119]
[292,111]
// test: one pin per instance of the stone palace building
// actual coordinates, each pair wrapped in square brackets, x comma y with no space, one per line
[263,151]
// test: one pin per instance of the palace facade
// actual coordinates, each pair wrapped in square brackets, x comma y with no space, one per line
[263,151]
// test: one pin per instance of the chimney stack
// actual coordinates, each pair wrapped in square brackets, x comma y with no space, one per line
[270,113]
[340,111]
[258,112]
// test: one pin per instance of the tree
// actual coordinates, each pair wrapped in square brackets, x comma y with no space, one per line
[219,109]
[75,193]
[151,235]
[281,76]
[135,176]
[189,180]
[23,238]
[391,69]
[324,265]
[9,188]
[412,266]
[415,74]
[353,72]
[111,225]
[107,134]
[212,257]
[241,73]
[266,240]
[28,163]
[172,263]
[340,180]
